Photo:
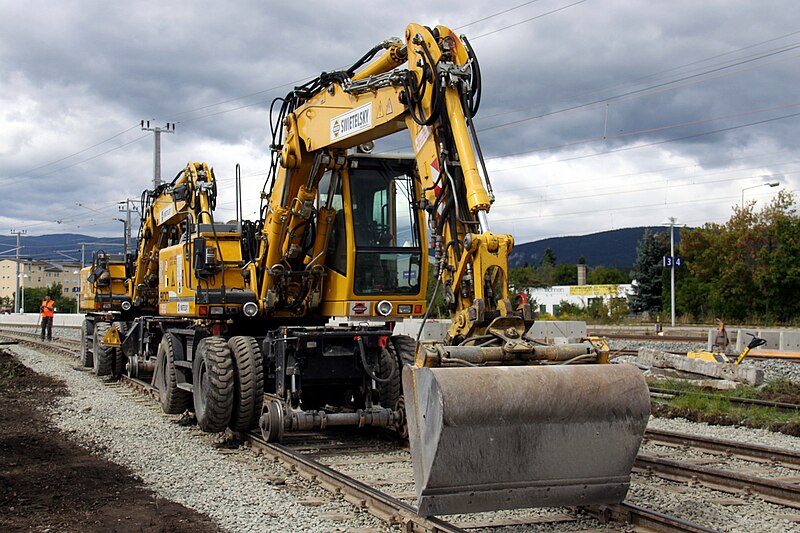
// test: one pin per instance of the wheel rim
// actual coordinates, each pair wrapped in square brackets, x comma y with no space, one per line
[202,389]
[162,383]
[272,422]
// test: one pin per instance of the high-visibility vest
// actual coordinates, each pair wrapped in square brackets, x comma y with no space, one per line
[48,307]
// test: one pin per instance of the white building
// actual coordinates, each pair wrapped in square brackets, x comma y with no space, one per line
[548,298]
[38,274]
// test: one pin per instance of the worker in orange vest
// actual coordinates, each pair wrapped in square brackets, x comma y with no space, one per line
[48,309]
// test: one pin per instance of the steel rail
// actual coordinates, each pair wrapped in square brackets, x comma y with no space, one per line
[384,506]
[380,504]
[641,517]
[772,490]
[728,446]
[31,340]
[651,338]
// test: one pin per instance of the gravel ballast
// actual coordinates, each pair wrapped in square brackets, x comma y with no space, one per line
[246,492]
[242,490]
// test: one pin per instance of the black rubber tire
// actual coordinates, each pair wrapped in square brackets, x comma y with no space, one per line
[404,349]
[399,351]
[103,357]
[173,400]
[389,365]
[87,330]
[248,385]
[213,384]
[119,356]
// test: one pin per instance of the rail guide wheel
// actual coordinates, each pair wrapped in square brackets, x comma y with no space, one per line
[271,421]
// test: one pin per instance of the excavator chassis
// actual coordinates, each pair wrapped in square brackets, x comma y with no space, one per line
[320,377]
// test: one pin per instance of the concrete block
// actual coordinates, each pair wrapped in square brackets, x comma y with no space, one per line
[740,373]
[773,338]
[671,373]
[434,330]
[790,341]
[31,319]
[742,338]
[550,330]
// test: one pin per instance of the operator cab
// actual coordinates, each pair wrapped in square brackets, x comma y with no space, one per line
[380,223]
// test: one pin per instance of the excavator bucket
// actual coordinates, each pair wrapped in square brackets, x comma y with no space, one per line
[505,437]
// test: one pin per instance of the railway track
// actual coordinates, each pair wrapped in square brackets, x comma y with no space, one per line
[654,338]
[778,482]
[332,460]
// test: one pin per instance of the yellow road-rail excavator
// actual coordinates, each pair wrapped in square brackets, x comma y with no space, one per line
[103,296]
[495,418]
[185,275]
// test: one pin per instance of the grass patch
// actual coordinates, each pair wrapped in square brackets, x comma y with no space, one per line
[10,369]
[702,402]
[714,407]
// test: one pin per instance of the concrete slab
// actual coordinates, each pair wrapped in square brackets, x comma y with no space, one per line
[743,337]
[739,373]
[772,337]
[434,330]
[790,341]
[31,319]
[551,330]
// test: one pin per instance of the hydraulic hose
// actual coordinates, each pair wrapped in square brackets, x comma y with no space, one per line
[368,370]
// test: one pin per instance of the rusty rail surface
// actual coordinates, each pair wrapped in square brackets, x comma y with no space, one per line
[771,490]
[730,447]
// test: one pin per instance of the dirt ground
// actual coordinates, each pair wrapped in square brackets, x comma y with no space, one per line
[47,483]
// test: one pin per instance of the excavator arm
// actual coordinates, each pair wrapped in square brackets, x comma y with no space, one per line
[191,194]
[434,100]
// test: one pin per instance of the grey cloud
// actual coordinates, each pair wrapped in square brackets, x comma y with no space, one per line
[78,73]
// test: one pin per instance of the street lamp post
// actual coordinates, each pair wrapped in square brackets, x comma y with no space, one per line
[125,235]
[21,278]
[78,296]
[768,184]
[672,270]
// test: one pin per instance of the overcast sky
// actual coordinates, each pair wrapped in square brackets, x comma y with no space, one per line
[596,114]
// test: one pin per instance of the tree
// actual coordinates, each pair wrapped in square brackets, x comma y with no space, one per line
[526,276]
[746,269]
[35,295]
[646,273]
[601,275]
[777,275]
[564,275]
[548,257]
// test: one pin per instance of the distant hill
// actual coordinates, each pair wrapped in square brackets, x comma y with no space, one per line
[614,249]
[60,246]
